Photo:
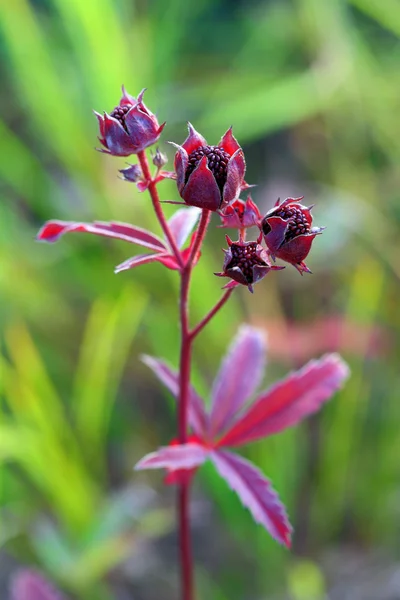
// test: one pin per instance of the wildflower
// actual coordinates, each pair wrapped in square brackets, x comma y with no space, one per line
[240,214]
[246,263]
[233,422]
[130,128]
[209,177]
[288,233]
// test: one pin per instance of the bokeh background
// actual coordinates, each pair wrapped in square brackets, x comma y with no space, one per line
[312,90]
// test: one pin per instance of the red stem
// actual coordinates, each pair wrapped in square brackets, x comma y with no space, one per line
[201,232]
[187,338]
[157,206]
[185,548]
[196,330]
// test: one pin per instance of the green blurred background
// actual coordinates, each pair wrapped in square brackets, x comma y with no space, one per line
[311,88]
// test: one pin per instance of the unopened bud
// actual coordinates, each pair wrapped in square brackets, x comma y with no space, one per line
[159,159]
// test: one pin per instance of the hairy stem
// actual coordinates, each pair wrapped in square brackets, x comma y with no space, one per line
[152,187]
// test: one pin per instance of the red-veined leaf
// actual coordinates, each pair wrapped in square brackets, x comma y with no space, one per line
[174,458]
[239,376]
[53,230]
[289,401]
[182,223]
[255,492]
[197,415]
[29,585]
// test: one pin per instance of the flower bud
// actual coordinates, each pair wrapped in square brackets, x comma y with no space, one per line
[130,127]
[159,159]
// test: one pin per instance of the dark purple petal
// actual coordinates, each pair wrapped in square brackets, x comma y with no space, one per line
[143,129]
[276,235]
[194,140]
[256,494]
[198,418]
[297,249]
[238,378]
[117,140]
[182,222]
[53,230]
[234,177]
[136,261]
[174,458]
[237,274]
[30,585]
[229,143]
[201,189]
[289,401]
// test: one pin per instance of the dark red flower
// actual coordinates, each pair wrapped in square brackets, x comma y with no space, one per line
[246,263]
[240,214]
[235,420]
[209,177]
[288,233]
[130,128]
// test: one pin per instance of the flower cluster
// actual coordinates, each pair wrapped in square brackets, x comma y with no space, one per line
[210,178]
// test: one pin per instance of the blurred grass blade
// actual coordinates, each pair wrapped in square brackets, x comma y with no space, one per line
[385,12]
[40,83]
[111,327]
